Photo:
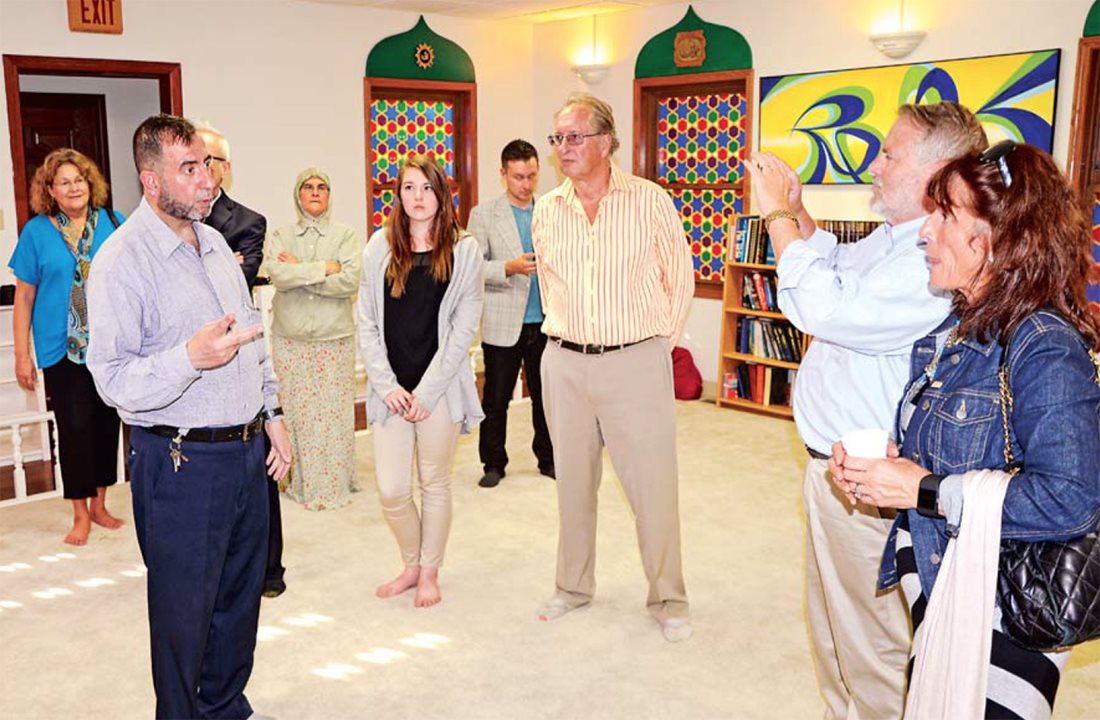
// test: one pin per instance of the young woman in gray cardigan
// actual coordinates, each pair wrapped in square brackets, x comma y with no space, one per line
[419,306]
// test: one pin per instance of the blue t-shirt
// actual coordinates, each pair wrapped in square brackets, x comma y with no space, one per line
[523,216]
[42,258]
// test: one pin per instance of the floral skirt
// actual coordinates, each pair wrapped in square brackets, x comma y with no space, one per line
[317,392]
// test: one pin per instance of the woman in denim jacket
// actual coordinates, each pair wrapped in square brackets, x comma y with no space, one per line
[1008,238]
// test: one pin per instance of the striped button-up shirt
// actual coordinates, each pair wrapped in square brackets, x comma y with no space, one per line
[148,293]
[624,277]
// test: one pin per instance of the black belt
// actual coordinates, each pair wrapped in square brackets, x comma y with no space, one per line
[591,349]
[815,454]
[214,435]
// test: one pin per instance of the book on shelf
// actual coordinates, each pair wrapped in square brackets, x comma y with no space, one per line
[758,292]
[750,242]
[767,338]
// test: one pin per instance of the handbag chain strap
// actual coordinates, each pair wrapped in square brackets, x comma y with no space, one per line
[1006,408]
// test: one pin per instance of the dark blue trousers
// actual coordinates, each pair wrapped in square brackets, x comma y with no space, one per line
[203,536]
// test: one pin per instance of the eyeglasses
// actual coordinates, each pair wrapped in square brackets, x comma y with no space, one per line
[311,188]
[67,184]
[573,138]
[999,154]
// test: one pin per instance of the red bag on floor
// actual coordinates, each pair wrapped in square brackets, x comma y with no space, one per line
[687,382]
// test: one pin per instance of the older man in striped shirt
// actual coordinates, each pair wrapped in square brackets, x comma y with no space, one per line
[616,280]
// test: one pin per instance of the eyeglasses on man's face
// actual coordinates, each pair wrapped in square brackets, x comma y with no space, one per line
[66,185]
[999,154]
[571,138]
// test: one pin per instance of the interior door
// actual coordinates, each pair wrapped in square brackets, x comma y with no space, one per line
[60,120]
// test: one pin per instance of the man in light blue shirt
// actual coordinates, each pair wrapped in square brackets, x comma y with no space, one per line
[173,345]
[865,304]
[511,326]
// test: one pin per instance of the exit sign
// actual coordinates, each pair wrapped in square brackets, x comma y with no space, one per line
[97,16]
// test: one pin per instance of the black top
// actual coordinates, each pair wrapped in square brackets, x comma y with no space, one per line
[412,322]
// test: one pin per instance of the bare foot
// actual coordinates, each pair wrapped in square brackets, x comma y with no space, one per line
[427,588]
[100,516]
[79,534]
[407,579]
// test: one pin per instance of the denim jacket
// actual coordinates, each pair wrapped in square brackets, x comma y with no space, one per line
[957,426]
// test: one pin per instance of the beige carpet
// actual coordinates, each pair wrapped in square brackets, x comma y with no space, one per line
[73,640]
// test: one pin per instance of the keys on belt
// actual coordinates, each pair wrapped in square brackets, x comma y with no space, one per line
[233,433]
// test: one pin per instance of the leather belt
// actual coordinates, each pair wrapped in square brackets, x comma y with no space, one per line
[592,349]
[815,454]
[232,433]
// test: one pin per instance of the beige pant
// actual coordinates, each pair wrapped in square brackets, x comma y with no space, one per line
[860,637]
[430,443]
[623,400]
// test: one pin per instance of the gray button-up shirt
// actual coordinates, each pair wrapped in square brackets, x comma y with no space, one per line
[148,293]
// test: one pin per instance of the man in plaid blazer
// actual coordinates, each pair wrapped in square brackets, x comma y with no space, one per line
[511,325]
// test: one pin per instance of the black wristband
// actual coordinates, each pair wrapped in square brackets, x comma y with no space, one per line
[273,413]
[928,496]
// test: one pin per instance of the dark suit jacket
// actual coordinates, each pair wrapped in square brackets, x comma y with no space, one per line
[243,229]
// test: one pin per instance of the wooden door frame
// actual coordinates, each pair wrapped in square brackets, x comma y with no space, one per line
[1085,118]
[167,74]
[465,145]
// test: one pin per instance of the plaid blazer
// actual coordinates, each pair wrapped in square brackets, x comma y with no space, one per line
[494,227]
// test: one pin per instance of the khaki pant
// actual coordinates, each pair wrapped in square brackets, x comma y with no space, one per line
[623,400]
[430,443]
[860,637]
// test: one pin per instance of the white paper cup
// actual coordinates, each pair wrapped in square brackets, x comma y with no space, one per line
[867,443]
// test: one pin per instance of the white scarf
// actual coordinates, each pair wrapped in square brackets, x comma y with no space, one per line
[952,646]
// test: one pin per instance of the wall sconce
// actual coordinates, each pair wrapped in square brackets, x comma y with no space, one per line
[593,72]
[901,43]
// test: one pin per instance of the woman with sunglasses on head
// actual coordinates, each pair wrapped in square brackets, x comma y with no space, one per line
[1008,239]
[51,263]
[314,266]
[419,309]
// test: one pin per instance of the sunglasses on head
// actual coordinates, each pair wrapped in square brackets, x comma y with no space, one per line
[999,154]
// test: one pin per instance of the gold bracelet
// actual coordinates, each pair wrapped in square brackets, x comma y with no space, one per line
[777,214]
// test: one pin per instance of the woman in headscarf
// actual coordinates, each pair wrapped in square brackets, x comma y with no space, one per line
[314,266]
[51,263]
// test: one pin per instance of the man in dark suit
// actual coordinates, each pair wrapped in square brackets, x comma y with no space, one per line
[244,230]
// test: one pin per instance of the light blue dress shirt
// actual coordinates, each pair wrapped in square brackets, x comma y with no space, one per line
[865,304]
[148,293]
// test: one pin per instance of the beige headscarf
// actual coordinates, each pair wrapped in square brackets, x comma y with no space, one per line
[305,220]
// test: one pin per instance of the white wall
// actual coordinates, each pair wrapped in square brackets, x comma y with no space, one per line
[129,101]
[790,36]
[283,79]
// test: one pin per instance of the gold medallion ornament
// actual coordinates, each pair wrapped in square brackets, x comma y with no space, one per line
[425,56]
[689,49]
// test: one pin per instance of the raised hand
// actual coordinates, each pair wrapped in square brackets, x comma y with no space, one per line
[216,343]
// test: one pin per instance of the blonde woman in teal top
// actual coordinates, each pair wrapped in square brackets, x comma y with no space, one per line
[51,263]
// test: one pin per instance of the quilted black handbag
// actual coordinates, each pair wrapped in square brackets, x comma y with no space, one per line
[1049,592]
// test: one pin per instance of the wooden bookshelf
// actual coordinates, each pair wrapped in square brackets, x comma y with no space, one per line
[767,365]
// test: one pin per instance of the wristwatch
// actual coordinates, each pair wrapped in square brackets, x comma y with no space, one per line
[928,496]
[275,412]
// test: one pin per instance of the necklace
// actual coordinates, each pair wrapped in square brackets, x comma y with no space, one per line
[951,340]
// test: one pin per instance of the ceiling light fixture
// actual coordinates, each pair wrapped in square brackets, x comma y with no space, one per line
[592,73]
[901,43]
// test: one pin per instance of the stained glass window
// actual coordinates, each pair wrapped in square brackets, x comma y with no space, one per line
[400,128]
[696,139]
